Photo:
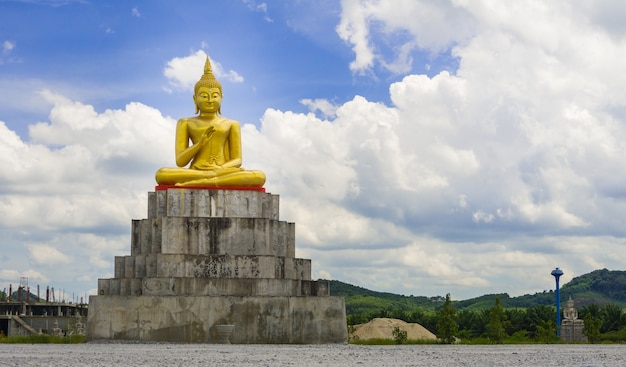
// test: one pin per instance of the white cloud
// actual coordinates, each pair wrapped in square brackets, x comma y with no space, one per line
[8,46]
[48,255]
[135,12]
[325,107]
[354,30]
[259,7]
[403,26]
[525,138]
[481,216]
[184,72]
[473,181]
[7,50]
[81,172]
[12,276]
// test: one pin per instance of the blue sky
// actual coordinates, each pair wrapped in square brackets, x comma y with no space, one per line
[421,147]
[109,53]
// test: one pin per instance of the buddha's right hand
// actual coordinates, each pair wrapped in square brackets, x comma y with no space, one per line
[207,134]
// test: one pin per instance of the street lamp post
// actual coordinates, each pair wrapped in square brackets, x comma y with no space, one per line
[556,273]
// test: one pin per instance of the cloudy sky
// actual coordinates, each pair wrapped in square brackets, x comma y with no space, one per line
[421,147]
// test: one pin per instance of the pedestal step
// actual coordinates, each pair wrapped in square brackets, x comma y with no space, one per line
[213,236]
[218,266]
[211,287]
[193,319]
[212,203]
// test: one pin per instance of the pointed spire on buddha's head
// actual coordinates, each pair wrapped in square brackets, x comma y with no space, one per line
[208,79]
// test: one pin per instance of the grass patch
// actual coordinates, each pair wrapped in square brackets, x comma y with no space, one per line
[391,342]
[44,339]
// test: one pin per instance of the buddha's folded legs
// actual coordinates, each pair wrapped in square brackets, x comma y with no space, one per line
[229,177]
[237,179]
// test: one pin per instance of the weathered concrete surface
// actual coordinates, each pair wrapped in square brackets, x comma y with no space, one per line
[213,236]
[212,203]
[209,257]
[257,320]
[211,287]
[200,266]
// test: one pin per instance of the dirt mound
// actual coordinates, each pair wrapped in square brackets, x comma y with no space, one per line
[380,328]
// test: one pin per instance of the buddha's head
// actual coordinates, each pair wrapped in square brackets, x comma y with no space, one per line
[207,82]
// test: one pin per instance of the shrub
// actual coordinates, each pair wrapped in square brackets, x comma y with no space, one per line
[44,339]
[399,335]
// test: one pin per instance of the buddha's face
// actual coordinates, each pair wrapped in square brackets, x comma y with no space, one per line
[208,100]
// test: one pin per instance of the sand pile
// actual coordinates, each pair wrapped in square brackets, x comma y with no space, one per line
[380,328]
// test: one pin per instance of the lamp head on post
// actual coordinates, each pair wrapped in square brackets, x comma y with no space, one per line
[556,273]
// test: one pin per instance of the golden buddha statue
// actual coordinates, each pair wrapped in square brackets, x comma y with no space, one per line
[215,150]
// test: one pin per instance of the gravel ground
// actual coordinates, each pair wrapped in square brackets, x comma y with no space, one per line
[136,354]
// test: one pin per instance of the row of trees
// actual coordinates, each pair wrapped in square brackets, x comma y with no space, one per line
[498,324]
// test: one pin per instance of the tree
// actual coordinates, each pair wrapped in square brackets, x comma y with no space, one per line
[496,328]
[517,321]
[546,332]
[592,309]
[538,315]
[612,316]
[470,324]
[447,326]
[399,314]
[591,329]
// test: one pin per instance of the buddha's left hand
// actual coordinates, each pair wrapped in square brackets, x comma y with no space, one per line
[206,166]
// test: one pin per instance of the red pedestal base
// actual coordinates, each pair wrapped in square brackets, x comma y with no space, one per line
[165,187]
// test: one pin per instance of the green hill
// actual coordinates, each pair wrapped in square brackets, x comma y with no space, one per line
[600,287]
[363,301]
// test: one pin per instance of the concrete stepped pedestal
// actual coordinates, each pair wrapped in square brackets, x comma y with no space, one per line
[205,258]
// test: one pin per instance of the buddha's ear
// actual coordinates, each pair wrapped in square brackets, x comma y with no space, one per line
[219,109]
[195,104]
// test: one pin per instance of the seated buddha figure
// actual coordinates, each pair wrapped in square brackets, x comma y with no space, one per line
[209,144]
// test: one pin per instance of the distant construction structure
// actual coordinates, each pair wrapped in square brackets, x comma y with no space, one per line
[24,313]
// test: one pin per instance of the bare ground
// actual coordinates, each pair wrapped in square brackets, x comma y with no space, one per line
[136,354]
